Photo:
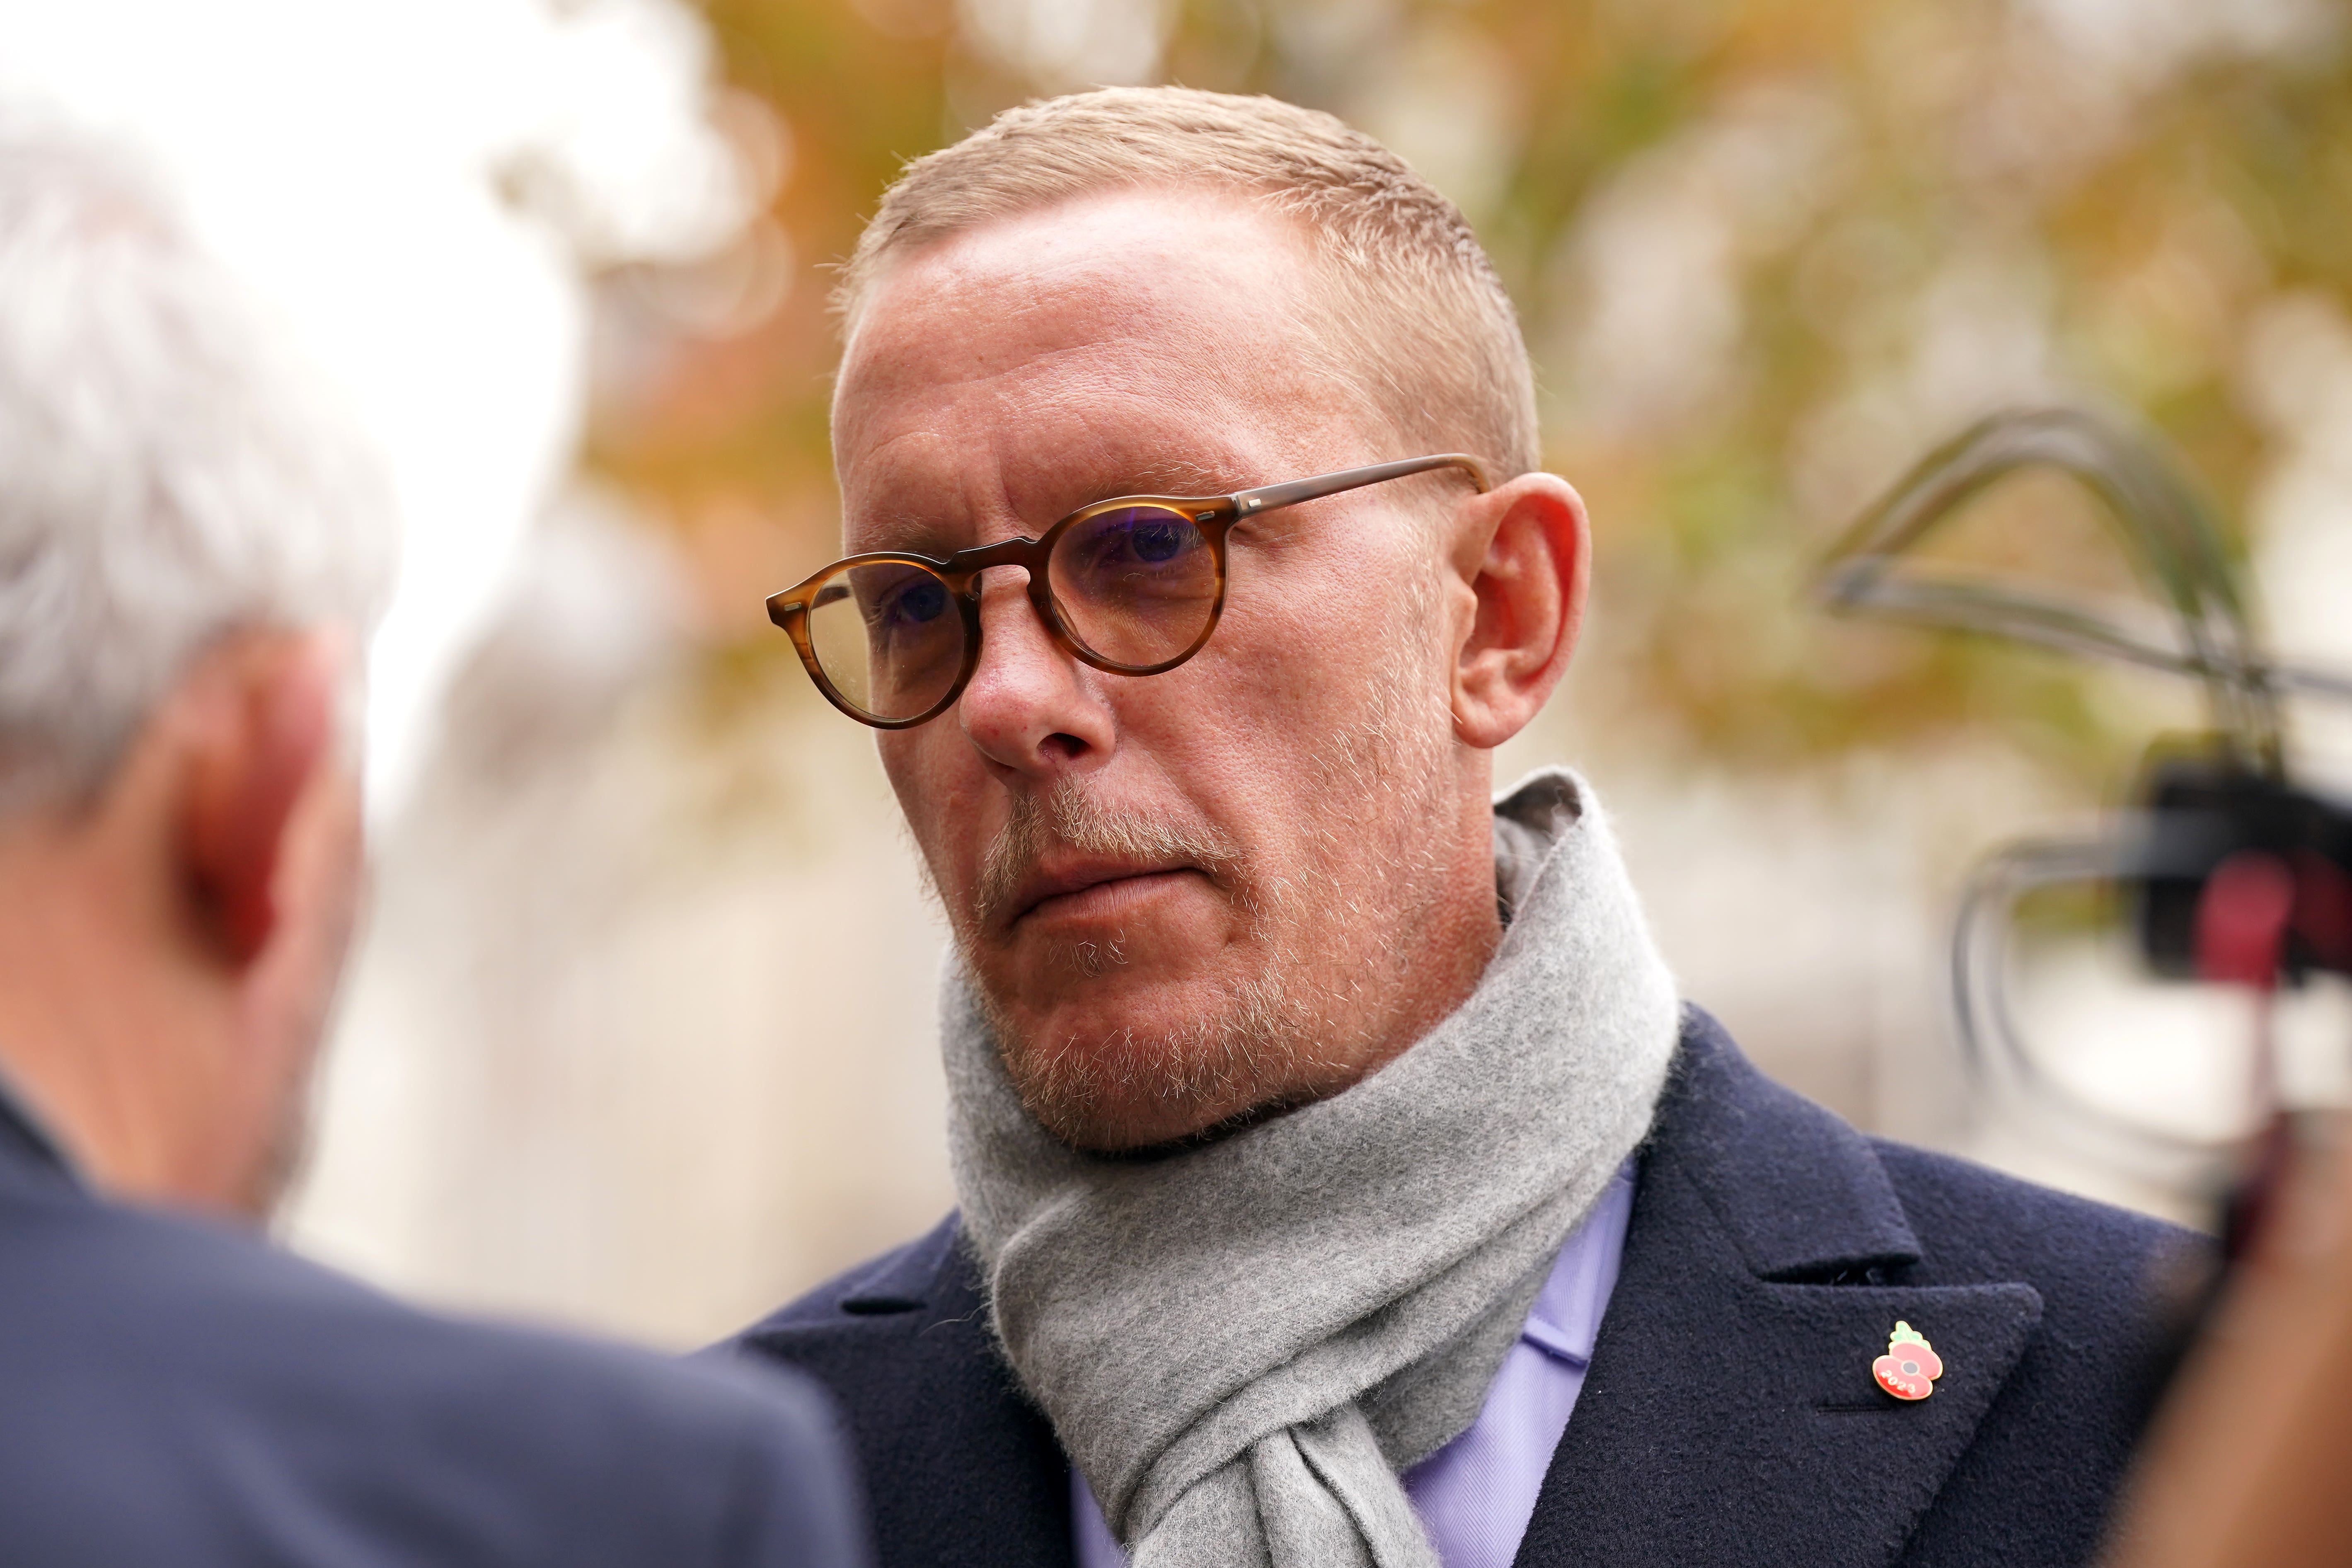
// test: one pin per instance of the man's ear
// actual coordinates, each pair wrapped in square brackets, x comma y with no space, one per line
[257,724]
[1525,549]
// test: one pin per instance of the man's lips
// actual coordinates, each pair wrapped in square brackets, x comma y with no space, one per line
[1077,889]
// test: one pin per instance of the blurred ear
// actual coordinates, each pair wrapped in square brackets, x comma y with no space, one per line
[1525,549]
[256,732]
[268,856]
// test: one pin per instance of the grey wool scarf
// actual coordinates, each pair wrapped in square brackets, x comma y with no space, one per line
[1242,1345]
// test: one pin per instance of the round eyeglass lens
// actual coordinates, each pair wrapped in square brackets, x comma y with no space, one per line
[1137,586]
[888,637]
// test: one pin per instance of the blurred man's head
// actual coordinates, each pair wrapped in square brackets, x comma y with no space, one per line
[1241,885]
[190,557]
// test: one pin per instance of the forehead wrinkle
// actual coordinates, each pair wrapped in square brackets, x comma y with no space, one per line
[1135,436]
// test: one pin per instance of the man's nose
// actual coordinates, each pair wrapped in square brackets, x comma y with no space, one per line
[1030,706]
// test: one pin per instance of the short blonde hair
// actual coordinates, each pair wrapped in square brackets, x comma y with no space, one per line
[1428,333]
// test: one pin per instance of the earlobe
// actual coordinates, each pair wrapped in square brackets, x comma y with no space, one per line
[263,725]
[1528,584]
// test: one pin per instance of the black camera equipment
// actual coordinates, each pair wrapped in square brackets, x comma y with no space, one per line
[2231,871]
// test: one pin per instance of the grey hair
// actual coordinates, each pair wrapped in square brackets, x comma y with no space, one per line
[1428,332]
[168,473]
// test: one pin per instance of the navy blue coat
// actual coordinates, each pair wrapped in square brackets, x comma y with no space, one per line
[1729,1415]
[174,1391]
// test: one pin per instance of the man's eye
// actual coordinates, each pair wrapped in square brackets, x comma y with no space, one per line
[924,599]
[1129,538]
[1156,542]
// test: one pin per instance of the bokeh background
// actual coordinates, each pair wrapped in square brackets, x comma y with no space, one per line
[640,1034]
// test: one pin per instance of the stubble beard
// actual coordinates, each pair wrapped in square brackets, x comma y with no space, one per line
[1287,1031]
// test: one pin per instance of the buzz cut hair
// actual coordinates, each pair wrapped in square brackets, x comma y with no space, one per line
[1425,329]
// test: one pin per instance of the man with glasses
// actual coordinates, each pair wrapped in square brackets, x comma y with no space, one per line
[1325,1130]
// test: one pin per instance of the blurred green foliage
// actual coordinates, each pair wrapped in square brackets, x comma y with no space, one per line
[1766,254]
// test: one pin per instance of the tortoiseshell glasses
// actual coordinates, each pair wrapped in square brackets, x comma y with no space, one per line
[1133,585]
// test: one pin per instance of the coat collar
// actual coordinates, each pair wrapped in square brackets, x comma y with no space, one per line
[1729,1414]
[29,1156]
[1795,1190]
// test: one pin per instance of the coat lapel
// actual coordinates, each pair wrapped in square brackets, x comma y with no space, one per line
[30,1161]
[1729,1414]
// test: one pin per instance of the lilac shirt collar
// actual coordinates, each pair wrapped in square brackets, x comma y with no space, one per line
[1475,1495]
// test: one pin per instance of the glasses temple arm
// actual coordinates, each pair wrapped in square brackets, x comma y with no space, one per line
[1267,498]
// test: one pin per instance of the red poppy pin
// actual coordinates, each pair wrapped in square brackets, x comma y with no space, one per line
[1909,1369]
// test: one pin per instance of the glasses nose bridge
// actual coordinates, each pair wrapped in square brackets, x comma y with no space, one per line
[968,564]
[963,569]
[966,567]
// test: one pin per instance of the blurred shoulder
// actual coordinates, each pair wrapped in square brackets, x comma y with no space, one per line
[128,1324]
[232,1297]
